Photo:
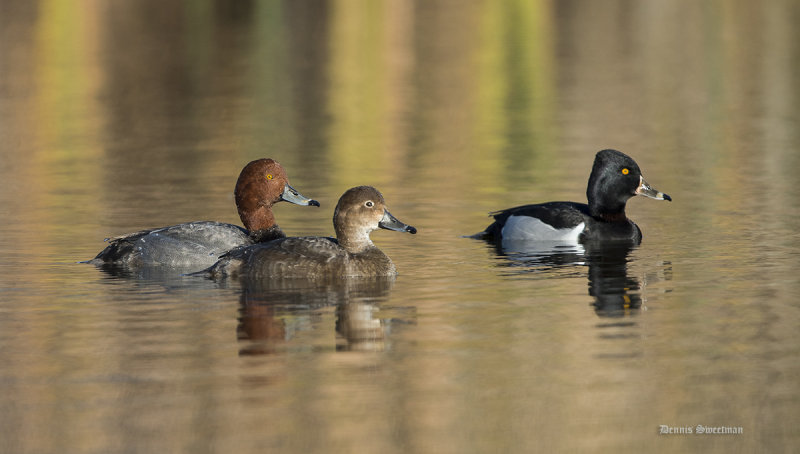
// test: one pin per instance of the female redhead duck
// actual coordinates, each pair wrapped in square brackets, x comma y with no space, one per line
[615,178]
[196,245]
[351,254]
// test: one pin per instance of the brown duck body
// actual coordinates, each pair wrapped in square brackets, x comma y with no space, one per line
[352,254]
[303,257]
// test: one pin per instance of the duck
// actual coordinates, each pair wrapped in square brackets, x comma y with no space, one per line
[360,211]
[197,245]
[615,178]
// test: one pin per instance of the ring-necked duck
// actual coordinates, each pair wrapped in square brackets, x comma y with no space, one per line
[351,254]
[197,245]
[615,178]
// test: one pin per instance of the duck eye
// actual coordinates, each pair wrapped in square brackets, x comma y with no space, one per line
[369,204]
[625,171]
[269,176]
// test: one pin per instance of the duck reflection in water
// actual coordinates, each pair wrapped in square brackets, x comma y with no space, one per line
[615,292]
[272,311]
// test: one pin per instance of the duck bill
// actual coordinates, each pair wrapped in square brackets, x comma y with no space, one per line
[647,191]
[390,222]
[291,195]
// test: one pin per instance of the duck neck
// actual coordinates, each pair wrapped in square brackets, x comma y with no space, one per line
[263,235]
[255,218]
[612,217]
[608,210]
[354,243]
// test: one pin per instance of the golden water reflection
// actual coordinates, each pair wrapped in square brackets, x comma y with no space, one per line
[117,116]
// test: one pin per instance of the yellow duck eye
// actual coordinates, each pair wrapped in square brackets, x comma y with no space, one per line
[625,171]
[269,176]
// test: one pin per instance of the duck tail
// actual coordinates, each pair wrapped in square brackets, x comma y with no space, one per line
[491,232]
[206,273]
[485,235]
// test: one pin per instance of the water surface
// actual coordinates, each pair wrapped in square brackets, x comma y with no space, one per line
[120,116]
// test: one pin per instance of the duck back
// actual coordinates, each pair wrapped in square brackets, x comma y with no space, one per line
[191,245]
[306,257]
[561,221]
[557,215]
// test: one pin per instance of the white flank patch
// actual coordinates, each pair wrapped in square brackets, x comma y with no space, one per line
[532,229]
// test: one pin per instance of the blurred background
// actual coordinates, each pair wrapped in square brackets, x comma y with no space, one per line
[119,116]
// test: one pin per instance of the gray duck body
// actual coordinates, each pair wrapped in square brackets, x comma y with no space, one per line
[197,245]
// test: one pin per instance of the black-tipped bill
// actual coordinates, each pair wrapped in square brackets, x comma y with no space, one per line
[390,222]
[647,191]
[291,195]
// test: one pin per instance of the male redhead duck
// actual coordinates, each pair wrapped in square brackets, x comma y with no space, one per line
[615,178]
[351,254]
[197,245]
